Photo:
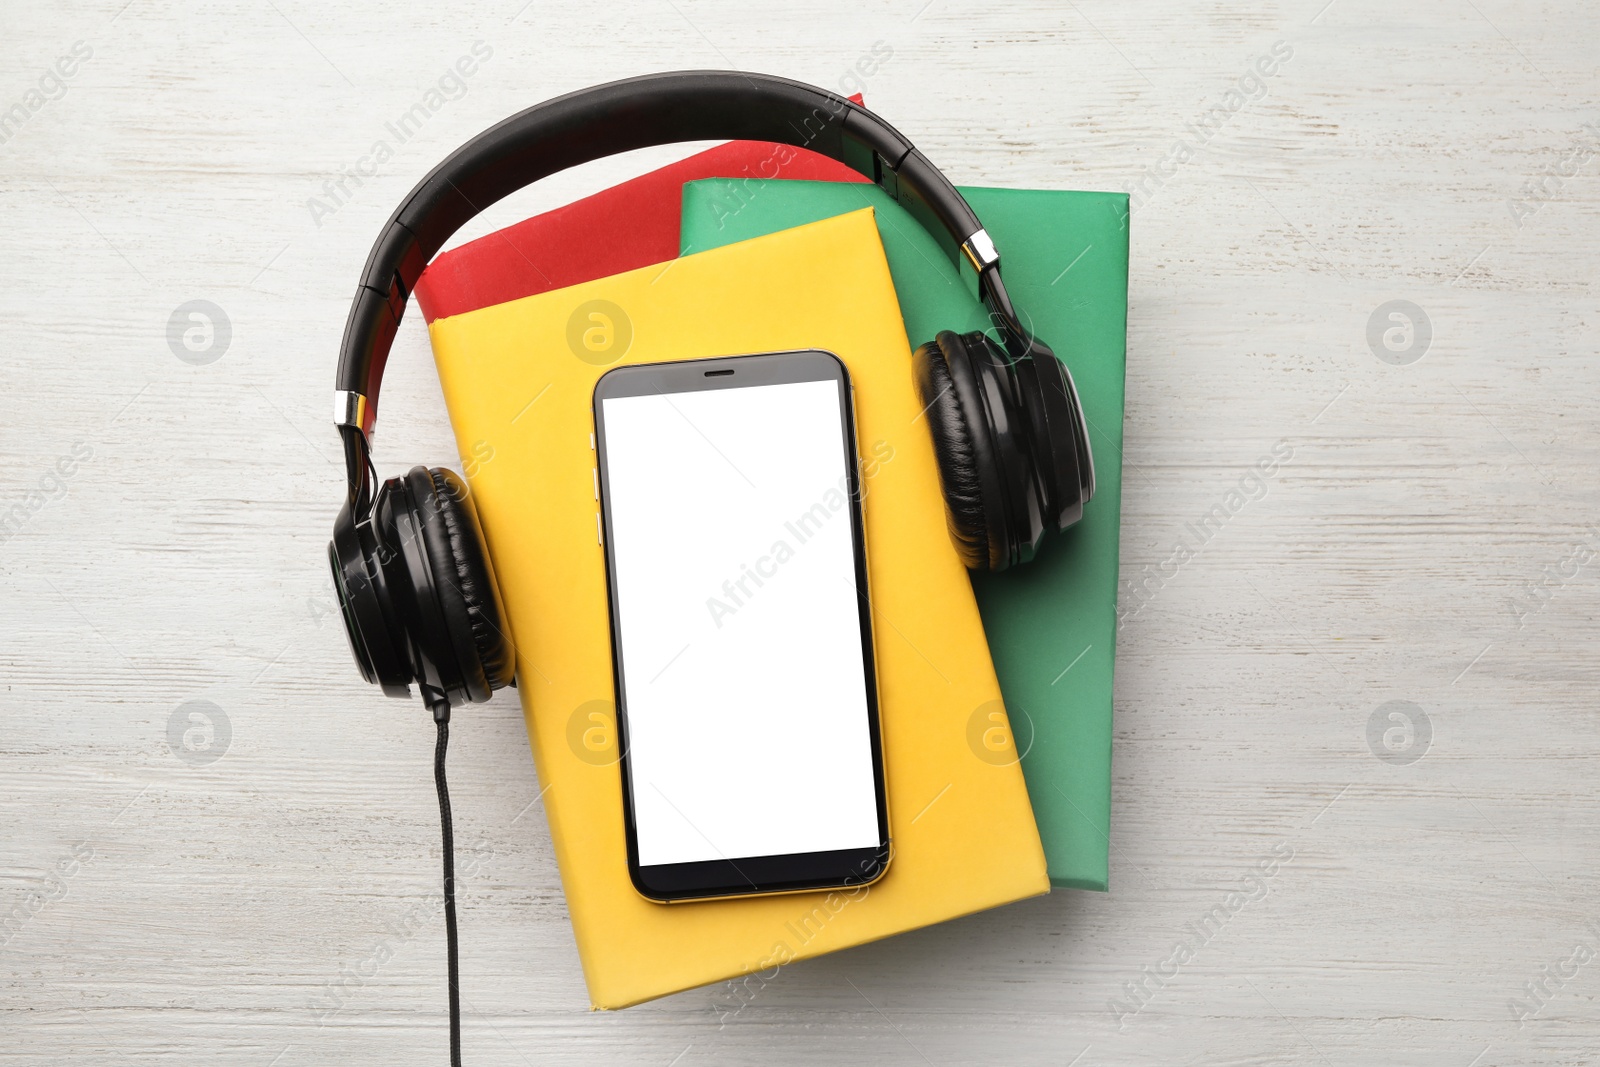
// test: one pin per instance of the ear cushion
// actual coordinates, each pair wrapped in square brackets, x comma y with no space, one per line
[366,607]
[1058,437]
[961,448]
[465,582]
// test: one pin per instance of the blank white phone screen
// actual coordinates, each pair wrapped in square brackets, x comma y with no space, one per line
[735,592]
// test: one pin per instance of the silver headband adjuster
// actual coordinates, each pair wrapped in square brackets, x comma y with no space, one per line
[980,251]
[352,409]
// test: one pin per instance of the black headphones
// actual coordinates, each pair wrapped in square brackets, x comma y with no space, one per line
[410,566]
[415,584]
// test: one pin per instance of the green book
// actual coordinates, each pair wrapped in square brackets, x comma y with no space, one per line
[1052,624]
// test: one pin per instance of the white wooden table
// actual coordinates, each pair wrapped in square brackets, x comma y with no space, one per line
[1432,540]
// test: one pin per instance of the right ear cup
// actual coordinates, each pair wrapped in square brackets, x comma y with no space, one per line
[1058,436]
[1011,445]
[963,448]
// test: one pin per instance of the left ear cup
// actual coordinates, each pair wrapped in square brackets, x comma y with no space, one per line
[417,591]
[458,630]
[468,590]
[372,622]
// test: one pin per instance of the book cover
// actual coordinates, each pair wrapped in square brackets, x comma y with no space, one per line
[518,379]
[1052,625]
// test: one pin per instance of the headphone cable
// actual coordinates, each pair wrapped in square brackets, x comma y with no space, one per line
[440,706]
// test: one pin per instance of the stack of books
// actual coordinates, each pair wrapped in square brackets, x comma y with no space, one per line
[753,247]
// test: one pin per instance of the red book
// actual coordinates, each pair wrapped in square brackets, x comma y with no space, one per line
[627,226]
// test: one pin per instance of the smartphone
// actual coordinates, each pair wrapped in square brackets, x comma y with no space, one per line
[741,631]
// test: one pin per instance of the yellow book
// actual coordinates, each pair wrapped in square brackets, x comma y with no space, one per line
[518,379]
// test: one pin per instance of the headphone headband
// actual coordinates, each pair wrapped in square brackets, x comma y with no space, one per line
[619,117]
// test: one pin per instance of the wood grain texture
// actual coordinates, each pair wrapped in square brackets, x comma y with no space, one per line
[205,913]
